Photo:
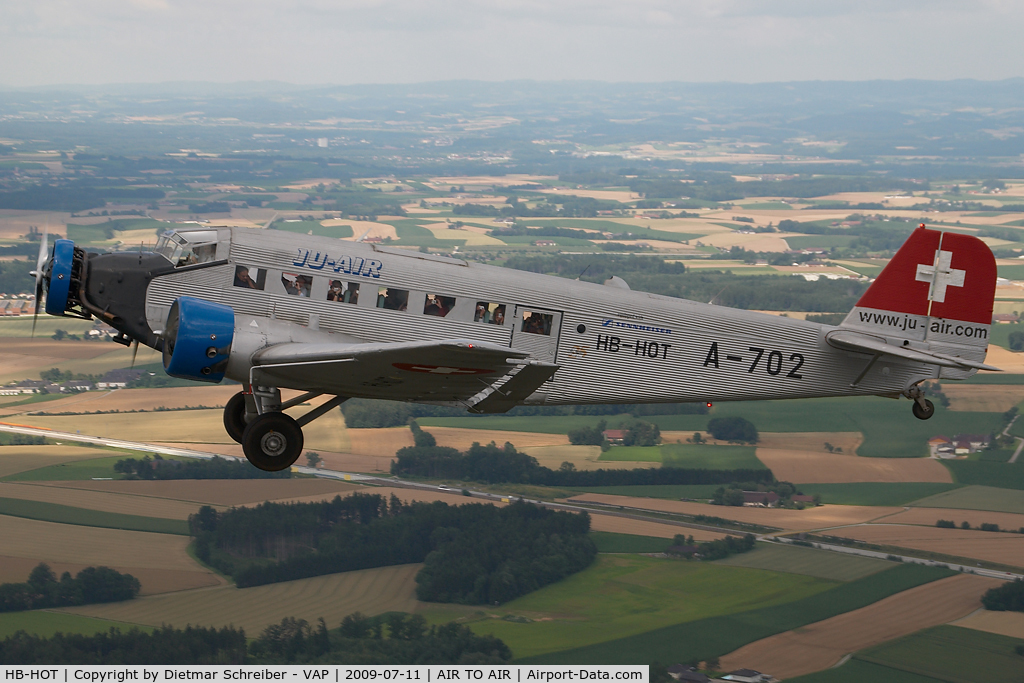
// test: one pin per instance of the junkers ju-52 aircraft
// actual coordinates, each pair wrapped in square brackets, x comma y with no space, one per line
[274,310]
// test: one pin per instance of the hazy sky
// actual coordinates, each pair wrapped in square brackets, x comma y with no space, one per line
[387,41]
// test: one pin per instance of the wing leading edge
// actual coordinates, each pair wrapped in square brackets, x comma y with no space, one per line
[485,377]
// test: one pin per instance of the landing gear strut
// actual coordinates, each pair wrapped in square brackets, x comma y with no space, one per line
[271,440]
[922,407]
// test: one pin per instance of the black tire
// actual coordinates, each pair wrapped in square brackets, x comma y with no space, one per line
[234,417]
[272,441]
[925,412]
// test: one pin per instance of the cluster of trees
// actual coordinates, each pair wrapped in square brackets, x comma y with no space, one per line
[984,526]
[1006,598]
[372,413]
[493,464]
[733,429]
[723,187]
[718,549]
[8,439]
[43,589]
[165,645]
[158,467]
[472,554]
[394,638]
[554,206]
[732,494]
[210,207]
[72,197]
[635,433]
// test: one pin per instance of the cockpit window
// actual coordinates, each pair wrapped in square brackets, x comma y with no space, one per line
[188,248]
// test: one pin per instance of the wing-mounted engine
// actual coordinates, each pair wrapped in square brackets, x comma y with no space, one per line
[197,339]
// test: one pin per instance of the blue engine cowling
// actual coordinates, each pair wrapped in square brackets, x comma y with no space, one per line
[197,339]
[60,277]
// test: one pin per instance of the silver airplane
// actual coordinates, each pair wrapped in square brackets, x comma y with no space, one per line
[275,310]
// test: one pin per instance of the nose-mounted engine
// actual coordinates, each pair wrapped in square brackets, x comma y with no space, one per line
[62,280]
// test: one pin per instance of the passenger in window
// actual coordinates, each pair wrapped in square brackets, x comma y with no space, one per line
[481,314]
[537,323]
[242,278]
[304,283]
[394,299]
[205,253]
[335,292]
[499,315]
[438,305]
[352,293]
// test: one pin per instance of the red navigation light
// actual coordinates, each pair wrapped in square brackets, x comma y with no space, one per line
[709,404]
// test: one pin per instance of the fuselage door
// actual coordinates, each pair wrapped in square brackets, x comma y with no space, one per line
[535,330]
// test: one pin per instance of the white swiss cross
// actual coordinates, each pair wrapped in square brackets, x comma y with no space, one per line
[441,370]
[940,275]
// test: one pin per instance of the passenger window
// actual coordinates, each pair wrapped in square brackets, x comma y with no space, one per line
[537,323]
[250,278]
[338,291]
[393,299]
[438,305]
[296,285]
[489,313]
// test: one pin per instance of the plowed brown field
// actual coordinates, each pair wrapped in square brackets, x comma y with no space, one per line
[791,520]
[381,442]
[822,644]
[928,517]
[464,438]
[214,492]
[981,545]
[14,459]
[154,581]
[141,399]
[822,467]
[1008,361]
[624,525]
[98,500]
[370,591]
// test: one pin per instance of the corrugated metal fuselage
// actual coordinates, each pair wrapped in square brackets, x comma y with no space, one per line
[612,345]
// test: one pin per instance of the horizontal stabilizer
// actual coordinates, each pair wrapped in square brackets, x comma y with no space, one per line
[853,341]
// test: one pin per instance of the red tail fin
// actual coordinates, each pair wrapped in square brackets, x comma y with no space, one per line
[939,288]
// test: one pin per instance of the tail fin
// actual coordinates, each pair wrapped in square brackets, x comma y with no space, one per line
[939,288]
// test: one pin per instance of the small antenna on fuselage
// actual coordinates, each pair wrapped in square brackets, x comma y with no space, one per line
[718,295]
[584,271]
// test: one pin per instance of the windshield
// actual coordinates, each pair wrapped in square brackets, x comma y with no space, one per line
[188,248]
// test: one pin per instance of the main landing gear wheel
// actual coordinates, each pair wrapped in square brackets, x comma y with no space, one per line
[923,412]
[272,441]
[234,417]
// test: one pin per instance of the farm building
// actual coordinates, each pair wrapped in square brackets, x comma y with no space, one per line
[761,499]
[118,379]
[748,676]
[614,436]
[687,674]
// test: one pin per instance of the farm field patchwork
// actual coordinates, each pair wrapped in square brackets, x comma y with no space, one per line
[989,546]
[66,514]
[17,459]
[462,439]
[983,397]
[952,654]
[886,494]
[793,520]
[822,467]
[115,503]
[1004,623]
[143,399]
[719,635]
[928,516]
[608,542]
[820,645]
[370,591]
[99,466]
[988,473]
[664,491]
[653,528]
[857,671]
[694,456]
[628,594]
[793,559]
[217,492]
[46,624]
[976,498]
[153,581]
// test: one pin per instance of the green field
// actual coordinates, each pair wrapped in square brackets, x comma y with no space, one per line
[988,473]
[45,624]
[632,454]
[1014,272]
[875,493]
[697,456]
[689,456]
[560,424]
[530,239]
[306,227]
[665,491]
[621,595]
[65,514]
[1000,334]
[976,498]
[608,542]
[719,635]
[45,325]
[994,378]
[81,470]
[859,671]
[793,559]
[951,653]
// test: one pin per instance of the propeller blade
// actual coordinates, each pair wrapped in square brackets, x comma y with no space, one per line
[40,260]
[135,352]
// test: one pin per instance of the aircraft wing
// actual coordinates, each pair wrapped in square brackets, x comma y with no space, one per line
[485,377]
[854,341]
